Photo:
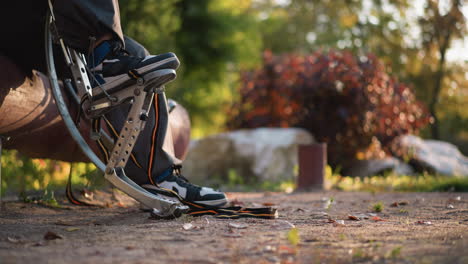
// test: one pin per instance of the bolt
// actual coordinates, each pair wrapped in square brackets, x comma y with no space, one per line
[143,117]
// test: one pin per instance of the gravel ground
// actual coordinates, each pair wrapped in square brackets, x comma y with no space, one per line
[316,227]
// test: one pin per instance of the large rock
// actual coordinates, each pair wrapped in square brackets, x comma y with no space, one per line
[432,155]
[364,168]
[256,154]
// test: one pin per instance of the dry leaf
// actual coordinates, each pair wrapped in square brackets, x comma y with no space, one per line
[354,218]
[378,219]
[403,203]
[450,206]
[287,250]
[238,226]
[422,222]
[362,216]
[188,226]
[14,240]
[269,248]
[71,229]
[395,204]
[51,236]
[87,194]
[339,223]
[269,204]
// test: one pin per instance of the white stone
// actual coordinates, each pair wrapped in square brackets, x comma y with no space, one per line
[441,157]
[364,168]
[263,153]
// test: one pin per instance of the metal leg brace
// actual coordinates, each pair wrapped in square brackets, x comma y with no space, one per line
[139,95]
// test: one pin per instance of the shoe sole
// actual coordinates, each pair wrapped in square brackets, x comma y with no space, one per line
[120,81]
[219,202]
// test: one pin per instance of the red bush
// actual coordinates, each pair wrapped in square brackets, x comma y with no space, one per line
[346,101]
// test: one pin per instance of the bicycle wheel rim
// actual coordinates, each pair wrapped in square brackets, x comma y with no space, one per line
[60,101]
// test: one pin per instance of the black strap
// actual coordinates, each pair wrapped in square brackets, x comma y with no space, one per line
[236,212]
[69,193]
[233,212]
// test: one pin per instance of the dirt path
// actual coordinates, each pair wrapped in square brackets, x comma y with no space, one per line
[126,235]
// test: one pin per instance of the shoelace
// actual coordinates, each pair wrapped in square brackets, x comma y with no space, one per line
[176,172]
[176,169]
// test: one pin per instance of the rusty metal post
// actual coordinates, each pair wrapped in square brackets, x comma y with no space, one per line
[312,163]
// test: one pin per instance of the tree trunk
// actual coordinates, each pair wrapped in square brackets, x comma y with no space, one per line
[31,121]
[439,77]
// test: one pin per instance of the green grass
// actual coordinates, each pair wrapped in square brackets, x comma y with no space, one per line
[374,184]
[417,183]
[20,174]
[378,207]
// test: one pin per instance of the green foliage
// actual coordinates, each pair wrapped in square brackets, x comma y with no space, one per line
[394,253]
[305,26]
[216,39]
[21,174]
[408,44]
[360,255]
[378,207]
[293,236]
[213,40]
[388,183]
[152,23]
[47,199]
[349,102]
[439,27]
[235,182]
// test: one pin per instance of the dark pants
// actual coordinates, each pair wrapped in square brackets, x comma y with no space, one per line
[80,22]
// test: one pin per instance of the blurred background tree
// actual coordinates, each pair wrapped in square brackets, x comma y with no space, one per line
[440,25]
[215,40]
[346,101]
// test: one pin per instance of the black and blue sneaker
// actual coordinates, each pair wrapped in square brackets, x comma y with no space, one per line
[173,184]
[114,68]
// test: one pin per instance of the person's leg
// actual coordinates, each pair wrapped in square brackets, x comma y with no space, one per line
[153,163]
[154,160]
[84,23]
[93,28]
